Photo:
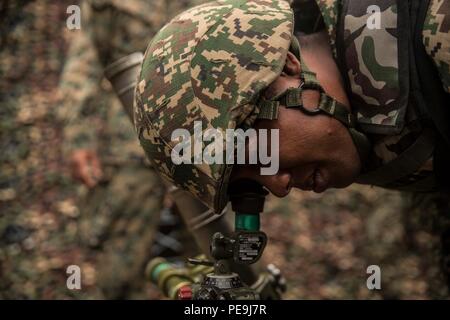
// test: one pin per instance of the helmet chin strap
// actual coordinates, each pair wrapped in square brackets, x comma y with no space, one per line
[292,98]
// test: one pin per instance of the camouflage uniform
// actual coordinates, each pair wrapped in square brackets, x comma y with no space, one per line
[435,32]
[37,212]
[436,39]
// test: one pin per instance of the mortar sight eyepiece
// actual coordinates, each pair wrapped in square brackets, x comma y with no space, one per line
[247,196]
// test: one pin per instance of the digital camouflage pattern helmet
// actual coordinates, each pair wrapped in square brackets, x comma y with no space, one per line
[211,64]
[208,64]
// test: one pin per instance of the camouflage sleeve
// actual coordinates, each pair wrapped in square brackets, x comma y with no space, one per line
[436,34]
[436,38]
[79,84]
[118,28]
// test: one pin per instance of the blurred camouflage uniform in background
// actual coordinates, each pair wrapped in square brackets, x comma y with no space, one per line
[47,222]
[37,212]
[120,213]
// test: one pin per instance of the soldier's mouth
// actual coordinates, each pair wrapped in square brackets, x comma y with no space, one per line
[316,181]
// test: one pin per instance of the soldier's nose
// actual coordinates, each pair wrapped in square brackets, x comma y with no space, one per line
[280,184]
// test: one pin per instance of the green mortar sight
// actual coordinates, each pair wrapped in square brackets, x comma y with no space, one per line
[244,246]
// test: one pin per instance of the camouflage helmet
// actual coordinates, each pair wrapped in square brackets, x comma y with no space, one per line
[209,65]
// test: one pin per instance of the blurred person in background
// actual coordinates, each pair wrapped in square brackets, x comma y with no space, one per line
[123,197]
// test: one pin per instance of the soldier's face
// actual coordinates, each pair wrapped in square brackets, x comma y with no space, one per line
[315,152]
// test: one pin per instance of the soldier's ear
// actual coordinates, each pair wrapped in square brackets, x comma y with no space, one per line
[292,66]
